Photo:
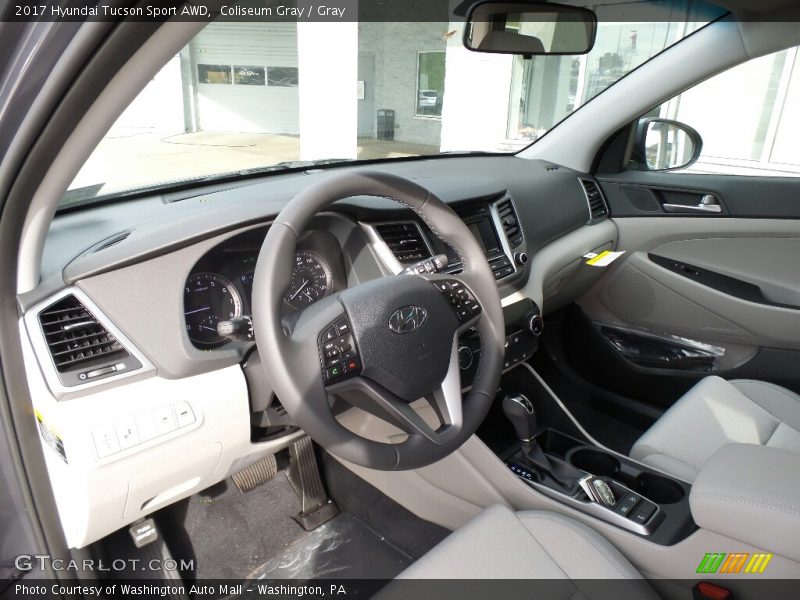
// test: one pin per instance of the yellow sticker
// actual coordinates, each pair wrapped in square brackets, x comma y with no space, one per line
[604,258]
[50,436]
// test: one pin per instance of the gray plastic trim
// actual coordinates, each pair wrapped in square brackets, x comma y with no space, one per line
[382,249]
[45,360]
[501,234]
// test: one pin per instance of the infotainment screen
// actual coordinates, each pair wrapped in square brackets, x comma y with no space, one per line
[484,232]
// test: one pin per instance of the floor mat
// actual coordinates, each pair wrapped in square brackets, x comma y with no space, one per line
[342,548]
[409,533]
[233,535]
[227,533]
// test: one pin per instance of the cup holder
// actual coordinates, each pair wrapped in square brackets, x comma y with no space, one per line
[660,490]
[595,462]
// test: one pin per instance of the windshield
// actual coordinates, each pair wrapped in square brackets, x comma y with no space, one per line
[245,96]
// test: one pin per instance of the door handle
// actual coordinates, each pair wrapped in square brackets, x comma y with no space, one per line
[708,204]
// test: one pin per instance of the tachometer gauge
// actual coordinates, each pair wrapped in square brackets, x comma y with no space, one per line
[311,280]
[208,299]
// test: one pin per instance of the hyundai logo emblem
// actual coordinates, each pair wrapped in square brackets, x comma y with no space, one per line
[408,318]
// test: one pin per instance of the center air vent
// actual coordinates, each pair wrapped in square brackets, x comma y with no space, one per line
[81,347]
[597,204]
[405,241]
[510,222]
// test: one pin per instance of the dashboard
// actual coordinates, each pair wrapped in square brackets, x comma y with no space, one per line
[219,287]
[160,406]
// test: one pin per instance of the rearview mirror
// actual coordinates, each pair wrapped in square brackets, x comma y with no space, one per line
[665,145]
[529,28]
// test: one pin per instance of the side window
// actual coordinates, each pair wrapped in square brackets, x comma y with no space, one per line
[747,117]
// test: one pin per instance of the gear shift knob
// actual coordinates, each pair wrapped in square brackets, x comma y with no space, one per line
[519,410]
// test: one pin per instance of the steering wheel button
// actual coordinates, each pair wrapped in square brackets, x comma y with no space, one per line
[442,286]
[334,372]
[330,334]
[342,327]
[351,366]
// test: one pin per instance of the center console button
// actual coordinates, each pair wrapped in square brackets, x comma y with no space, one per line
[643,513]
[627,504]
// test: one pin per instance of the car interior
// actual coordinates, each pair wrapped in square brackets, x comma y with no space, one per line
[575,361]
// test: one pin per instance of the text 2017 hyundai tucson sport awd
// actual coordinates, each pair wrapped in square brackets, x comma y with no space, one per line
[415,299]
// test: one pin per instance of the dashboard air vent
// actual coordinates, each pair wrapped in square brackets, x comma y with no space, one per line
[405,241]
[597,204]
[510,222]
[75,338]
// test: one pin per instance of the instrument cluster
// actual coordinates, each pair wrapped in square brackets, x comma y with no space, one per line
[220,286]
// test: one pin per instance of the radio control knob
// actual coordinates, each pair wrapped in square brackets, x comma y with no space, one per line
[534,323]
[465,358]
[520,258]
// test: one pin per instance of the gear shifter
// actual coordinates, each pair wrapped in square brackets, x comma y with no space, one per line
[550,470]
[520,412]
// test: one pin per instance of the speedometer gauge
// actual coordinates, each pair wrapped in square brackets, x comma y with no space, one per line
[209,298]
[311,280]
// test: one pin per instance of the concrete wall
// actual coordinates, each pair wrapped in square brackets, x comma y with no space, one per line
[395,47]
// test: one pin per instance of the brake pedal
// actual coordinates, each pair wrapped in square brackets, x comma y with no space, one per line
[256,474]
[303,474]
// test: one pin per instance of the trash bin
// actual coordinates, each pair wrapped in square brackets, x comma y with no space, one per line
[385,124]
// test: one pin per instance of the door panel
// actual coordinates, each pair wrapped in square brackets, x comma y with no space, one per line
[636,193]
[772,265]
[643,292]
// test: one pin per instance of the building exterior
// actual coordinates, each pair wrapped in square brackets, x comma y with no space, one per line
[415,87]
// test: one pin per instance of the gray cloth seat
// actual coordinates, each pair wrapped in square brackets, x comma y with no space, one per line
[716,412]
[503,544]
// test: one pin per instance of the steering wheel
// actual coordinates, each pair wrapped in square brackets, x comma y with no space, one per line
[383,344]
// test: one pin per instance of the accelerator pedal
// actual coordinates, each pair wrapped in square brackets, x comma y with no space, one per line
[256,474]
[303,474]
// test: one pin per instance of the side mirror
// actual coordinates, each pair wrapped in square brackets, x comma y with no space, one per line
[665,145]
[529,28]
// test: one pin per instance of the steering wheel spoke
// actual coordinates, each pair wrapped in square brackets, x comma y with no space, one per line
[446,402]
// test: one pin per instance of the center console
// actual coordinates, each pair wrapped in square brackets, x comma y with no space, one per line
[553,457]
[524,325]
